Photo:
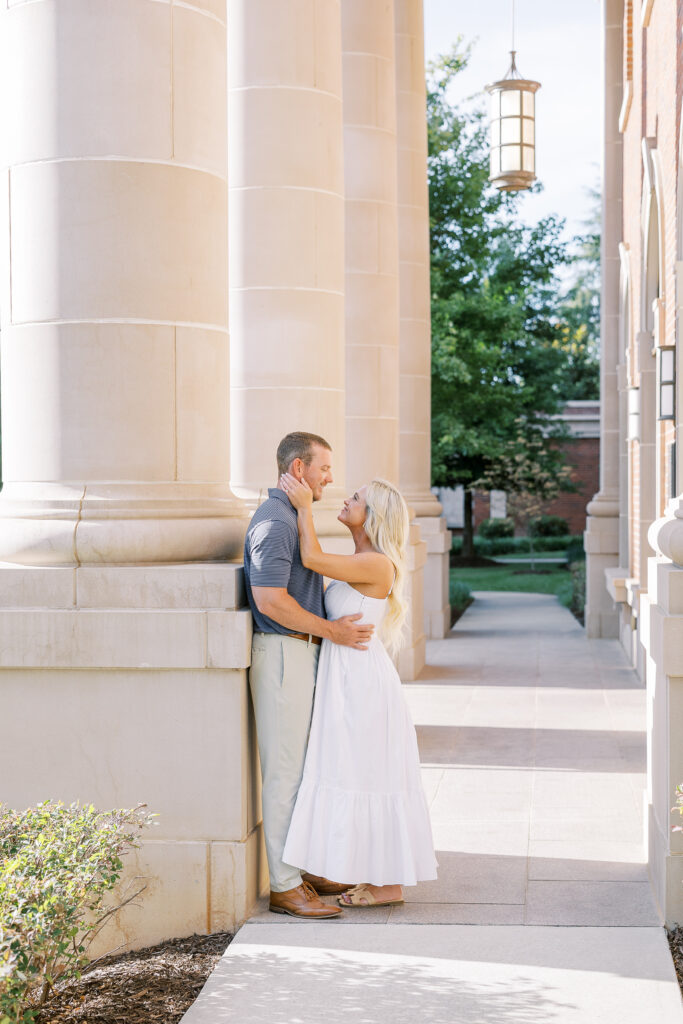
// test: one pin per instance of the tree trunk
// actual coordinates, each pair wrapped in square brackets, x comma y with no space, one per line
[468,527]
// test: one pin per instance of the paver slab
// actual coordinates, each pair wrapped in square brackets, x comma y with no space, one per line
[441,974]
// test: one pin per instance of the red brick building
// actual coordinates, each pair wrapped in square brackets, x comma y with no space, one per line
[582,455]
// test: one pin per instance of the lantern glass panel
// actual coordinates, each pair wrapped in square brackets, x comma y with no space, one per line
[510,130]
[633,414]
[510,158]
[495,162]
[495,104]
[495,133]
[528,104]
[666,401]
[529,163]
[666,365]
[528,132]
[509,103]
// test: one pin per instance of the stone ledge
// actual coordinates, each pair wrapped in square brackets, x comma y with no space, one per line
[203,585]
[116,638]
[616,580]
[31,586]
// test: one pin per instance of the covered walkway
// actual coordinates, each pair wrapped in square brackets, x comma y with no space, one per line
[533,747]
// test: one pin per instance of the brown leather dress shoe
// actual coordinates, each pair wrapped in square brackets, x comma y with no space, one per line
[324,887]
[302,902]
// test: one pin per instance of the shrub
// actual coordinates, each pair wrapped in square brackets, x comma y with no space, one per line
[488,547]
[497,528]
[549,526]
[57,863]
[578,602]
[575,551]
[460,595]
[678,806]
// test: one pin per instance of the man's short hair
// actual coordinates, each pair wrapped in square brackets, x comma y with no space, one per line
[298,445]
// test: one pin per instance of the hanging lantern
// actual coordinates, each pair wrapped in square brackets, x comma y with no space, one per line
[513,131]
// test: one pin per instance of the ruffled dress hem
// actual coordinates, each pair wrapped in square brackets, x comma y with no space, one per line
[396,846]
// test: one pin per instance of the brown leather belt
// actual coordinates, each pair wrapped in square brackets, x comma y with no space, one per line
[307,637]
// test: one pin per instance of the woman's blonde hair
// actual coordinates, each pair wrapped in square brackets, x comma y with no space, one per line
[387,523]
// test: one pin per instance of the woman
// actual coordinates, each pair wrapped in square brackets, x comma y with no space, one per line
[361,812]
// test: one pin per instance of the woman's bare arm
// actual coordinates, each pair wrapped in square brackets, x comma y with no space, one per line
[368,567]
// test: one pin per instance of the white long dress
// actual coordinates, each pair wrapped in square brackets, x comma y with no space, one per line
[361,813]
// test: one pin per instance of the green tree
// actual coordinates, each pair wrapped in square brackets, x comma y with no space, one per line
[579,314]
[497,352]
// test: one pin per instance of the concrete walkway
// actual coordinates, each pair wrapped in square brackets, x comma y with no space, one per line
[533,749]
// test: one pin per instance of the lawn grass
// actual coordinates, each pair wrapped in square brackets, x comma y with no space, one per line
[510,578]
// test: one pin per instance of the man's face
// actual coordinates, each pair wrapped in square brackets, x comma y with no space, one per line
[318,473]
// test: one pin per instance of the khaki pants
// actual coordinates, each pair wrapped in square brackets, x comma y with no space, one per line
[282,682]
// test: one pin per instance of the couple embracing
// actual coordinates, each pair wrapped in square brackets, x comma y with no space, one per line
[344,812]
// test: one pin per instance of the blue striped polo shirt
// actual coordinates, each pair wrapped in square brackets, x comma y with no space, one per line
[272,559]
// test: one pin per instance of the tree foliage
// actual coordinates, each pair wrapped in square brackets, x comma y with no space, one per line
[502,340]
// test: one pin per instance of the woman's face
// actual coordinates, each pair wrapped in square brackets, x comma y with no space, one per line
[354,511]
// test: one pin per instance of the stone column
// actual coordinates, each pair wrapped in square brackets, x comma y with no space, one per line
[113,270]
[286,237]
[372,272]
[414,312]
[602,527]
[662,636]
[113,288]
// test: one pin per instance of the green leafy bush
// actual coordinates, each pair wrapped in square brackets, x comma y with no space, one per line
[459,596]
[578,602]
[678,806]
[549,526]
[489,547]
[575,550]
[491,528]
[57,863]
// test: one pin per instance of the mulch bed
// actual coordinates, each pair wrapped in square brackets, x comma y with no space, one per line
[675,937]
[155,984]
[475,562]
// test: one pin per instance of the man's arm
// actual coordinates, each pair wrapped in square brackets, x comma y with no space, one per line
[279,605]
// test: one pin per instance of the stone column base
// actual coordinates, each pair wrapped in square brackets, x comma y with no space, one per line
[437,610]
[122,685]
[601,542]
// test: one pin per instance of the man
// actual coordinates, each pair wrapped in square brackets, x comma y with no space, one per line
[286,600]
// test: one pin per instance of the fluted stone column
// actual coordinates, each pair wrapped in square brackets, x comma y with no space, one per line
[114,299]
[286,237]
[414,312]
[372,272]
[602,527]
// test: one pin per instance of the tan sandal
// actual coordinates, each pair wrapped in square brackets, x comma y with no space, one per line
[361,896]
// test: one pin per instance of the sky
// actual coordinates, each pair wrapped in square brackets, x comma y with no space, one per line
[559,45]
